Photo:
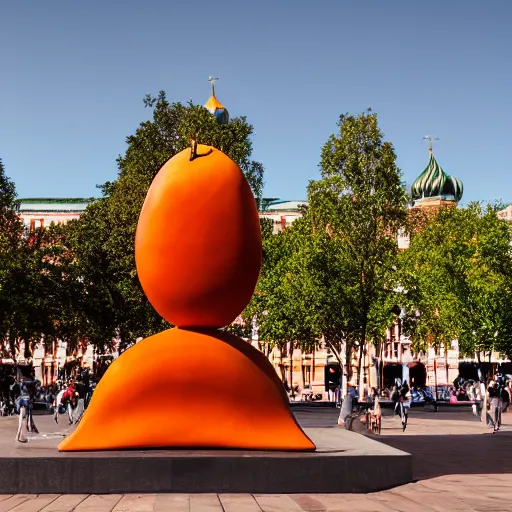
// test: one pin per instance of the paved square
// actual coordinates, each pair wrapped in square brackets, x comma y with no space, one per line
[459,465]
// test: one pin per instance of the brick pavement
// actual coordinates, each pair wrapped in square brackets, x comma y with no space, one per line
[443,494]
[447,443]
[459,465]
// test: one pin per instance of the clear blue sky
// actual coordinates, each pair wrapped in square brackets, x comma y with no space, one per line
[73,75]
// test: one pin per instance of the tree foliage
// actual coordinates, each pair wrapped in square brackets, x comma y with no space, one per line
[360,201]
[282,301]
[39,291]
[11,231]
[103,239]
[458,276]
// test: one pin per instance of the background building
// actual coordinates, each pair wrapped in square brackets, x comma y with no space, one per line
[506,213]
[310,372]
[282,213]
[41,212]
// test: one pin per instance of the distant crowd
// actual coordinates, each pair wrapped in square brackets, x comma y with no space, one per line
[21,395]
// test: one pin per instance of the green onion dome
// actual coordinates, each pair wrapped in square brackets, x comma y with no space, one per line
[434,182]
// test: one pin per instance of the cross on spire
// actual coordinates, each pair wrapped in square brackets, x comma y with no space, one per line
[212,80]
[429,138]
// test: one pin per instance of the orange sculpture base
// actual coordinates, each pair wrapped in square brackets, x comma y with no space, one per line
[189,389]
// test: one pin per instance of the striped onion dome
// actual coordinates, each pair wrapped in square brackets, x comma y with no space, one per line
[434,182]
[216,108]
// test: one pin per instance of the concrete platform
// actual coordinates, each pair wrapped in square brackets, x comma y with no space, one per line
[345,462]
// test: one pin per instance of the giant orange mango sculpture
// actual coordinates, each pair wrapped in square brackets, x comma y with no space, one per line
[198,255]
[198,243]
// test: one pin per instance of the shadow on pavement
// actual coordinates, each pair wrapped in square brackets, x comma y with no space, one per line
[439,455]
[458,444]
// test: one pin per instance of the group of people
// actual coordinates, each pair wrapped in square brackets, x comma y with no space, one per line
[19,394]
[72,398]
[491,400]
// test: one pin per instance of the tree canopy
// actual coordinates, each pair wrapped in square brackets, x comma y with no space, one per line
[335,275]
[458,276]
[11,231]
[331,274]
[103,239]
[360,200]
[39,289]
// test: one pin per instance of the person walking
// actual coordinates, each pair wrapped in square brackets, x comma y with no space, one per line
[505,399]
[80,390]
[69,398]
[494,405]
[33,386]
[22,405]
[58,402]
[405,404]
[395,397]
[484,402]
[474,397]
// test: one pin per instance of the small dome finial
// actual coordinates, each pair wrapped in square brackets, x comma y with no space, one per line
[212,80]
[216,108]
[429,138]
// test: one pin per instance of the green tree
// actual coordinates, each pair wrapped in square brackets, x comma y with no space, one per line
[63,294]
[11,231]
[10,223]
[39,291]
[360,201]
[283,303]
[305,292]
[458,276]
[105,234]
[43,292]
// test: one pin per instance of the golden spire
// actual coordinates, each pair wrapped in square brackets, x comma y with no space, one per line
[215,107]
[429,138]
[212,80]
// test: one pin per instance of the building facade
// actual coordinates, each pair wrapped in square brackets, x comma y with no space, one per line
[309,372]
[56,360]
[282,213]
[506,213]
[42,212]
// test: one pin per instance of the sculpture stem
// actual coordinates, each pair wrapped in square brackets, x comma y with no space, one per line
[193,151]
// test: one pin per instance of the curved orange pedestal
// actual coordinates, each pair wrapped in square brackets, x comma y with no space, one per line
[189,389]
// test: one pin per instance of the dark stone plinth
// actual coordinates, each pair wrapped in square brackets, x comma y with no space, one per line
[344,462]
[202,473]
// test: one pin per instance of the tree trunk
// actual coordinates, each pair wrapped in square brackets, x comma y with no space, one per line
[334,350]
[12,345]
[291,369]
[447,370]
[281,366]
[380,347]
[348,359]
[313,364]
[361,353]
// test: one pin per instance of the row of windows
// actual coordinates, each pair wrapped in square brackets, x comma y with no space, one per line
[39,224]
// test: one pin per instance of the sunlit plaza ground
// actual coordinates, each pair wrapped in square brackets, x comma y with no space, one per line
[457,465]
